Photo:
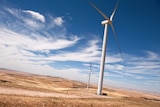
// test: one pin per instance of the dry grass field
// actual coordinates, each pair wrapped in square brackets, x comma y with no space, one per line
[19,89]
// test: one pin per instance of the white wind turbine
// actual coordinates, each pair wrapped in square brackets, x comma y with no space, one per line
[89,76]
[106,22]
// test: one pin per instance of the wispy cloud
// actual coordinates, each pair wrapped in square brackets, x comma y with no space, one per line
[28,48]
[32,42]
[17,55]
[147,64]
[35,15]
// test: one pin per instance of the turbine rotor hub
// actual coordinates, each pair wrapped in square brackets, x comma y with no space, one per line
[106,22]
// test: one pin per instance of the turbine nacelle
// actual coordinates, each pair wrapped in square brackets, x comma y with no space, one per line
[106,22]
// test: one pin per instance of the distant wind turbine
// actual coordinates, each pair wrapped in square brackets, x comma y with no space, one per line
[89,76]
[105,23]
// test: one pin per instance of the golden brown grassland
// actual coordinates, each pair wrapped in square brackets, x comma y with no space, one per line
[59,92]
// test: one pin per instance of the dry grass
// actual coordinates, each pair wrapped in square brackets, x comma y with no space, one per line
[64,93]
[28,101]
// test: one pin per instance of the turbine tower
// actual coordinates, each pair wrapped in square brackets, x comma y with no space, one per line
[106,22]
[89,76]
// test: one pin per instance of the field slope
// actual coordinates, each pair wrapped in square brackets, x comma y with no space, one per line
[21,89]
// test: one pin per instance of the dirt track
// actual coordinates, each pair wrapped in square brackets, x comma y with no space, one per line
[16,91]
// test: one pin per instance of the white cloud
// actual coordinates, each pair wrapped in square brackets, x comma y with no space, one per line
[13,11]
[36,50]
[35,15]
[16,53]
[32,23]
[59,21]
[39,43]
[89,52]
[147,64]
[115,67]
[34,19]
[152,55]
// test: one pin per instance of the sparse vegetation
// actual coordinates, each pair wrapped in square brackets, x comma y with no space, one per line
[67,89]
[28,101]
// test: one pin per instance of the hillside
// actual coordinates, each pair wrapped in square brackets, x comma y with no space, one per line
[24,89]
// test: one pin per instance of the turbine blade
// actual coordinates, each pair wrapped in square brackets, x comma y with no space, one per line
[115,36]
[106,17]
[90,66]
[114,11]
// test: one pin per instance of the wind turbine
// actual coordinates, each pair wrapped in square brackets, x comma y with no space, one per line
[89,76]
[106,22]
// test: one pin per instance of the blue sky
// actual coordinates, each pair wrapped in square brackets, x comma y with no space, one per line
[60,37]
